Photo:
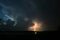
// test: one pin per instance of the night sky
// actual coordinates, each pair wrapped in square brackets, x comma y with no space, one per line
[44,10]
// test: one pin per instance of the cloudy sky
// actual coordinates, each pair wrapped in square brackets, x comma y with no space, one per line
[43,10]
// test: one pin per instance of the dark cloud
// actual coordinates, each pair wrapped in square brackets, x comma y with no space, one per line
[43,10]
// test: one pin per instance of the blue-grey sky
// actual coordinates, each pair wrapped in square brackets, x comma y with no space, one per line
[44,10]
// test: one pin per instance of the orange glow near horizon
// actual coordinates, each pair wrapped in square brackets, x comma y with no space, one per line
[36,27]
